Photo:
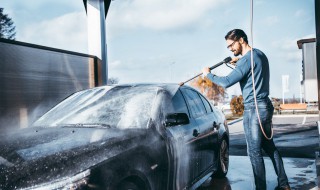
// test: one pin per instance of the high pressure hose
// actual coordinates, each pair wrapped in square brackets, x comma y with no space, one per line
[253,81]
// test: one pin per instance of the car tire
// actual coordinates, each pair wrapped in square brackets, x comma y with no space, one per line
[223,159]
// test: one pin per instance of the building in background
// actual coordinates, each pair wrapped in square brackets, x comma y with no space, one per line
[34,78]
[309,85]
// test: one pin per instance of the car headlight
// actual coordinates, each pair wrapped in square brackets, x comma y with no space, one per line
[68,183]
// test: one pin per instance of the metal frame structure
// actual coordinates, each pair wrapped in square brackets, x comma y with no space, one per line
[308,85]
[97,11]
[317,24]
[34,78]
[317,20]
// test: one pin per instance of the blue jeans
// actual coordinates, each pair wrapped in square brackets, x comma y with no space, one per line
[256,142]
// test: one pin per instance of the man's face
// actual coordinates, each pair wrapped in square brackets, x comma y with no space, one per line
[234,46]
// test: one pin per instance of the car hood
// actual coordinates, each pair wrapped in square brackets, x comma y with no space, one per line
[36,155]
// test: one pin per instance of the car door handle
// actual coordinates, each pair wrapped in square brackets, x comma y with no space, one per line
[215,125]
[195,133]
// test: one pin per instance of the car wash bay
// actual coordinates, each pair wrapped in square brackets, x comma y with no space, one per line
[297,151]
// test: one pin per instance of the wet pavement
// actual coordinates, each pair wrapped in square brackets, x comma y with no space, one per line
[300,171]
[295,136]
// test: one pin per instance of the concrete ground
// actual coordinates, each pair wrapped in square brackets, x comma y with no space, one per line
[296,137]
[301,174]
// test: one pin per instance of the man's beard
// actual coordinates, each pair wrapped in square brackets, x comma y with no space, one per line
[238,51]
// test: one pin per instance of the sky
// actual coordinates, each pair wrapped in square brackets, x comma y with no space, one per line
[172,40]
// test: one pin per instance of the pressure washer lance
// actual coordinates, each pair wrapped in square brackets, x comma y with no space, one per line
[226,60]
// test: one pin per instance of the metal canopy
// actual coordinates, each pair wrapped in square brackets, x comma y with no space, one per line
[106,6]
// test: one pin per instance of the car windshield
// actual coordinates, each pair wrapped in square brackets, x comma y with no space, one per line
[117,107]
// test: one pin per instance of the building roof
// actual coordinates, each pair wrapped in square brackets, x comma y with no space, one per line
[302,41]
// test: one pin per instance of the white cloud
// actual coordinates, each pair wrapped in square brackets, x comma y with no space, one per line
[285,44]
[115,64]
[288,48]
[309,36]
[304,16]
[35,5]
[271,20]
[260,2]
[289,44]
[158,14]
[68,32]
[300,13]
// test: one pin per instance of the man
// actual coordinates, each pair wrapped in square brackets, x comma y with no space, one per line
[237,42]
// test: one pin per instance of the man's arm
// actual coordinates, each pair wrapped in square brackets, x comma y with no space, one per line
[235,76]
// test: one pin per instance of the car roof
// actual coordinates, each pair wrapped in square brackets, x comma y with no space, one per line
[170,87]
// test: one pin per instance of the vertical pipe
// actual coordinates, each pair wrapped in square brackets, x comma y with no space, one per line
[300,89]
[317,19]
[103,42]
[96,12]
[317,22]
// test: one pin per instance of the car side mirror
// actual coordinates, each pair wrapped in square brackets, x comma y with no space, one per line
[174,119]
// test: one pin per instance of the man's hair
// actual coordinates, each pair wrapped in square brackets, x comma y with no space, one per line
[236,34]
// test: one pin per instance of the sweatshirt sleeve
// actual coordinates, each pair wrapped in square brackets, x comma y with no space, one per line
[242,69]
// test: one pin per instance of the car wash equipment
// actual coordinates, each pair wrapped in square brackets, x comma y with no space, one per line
[225,61]
[253,81]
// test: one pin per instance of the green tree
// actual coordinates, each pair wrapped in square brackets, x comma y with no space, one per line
[7,28]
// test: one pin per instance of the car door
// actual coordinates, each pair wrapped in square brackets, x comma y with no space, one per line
[183,142]
[198,113]
[209,126]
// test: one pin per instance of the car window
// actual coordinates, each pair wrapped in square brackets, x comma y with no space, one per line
[119,107]
[196,106]
[179,104]
[206,104]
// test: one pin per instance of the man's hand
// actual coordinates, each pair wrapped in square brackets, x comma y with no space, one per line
[205,71]
[234,60]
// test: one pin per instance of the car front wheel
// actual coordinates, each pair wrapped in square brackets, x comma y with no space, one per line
[223,160]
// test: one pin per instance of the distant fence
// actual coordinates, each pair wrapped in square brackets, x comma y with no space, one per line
[34,78]
[293,107]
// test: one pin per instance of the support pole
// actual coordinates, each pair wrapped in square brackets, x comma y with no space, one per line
[317,20]
[97,43]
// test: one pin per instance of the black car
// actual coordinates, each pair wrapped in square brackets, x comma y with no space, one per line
[135,136]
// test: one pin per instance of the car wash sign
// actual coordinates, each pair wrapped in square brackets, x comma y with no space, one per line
[285,85]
